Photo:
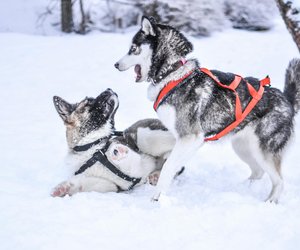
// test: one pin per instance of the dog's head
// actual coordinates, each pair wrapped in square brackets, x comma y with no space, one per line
[90,119]
[154,48]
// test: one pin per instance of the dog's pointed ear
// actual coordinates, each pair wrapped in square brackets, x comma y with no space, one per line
[81,106]
[63,108]
[147,26]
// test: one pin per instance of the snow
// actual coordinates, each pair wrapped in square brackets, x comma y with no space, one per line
[211,206]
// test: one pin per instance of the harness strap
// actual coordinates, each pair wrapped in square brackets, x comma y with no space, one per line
[233,85]
[165,90]
[85,147]
[118,133]
[240,115]
[101,157]
[90,162]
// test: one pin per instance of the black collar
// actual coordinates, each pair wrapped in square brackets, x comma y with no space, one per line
[99,156]
[87,146]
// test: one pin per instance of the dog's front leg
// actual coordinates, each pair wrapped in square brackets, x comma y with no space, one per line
[184,149]
[82,183]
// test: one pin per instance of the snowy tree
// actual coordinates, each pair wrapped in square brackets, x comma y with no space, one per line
[195,17]
[66,16]
[198,18]
[202,17]
[85,21]
[256,16]
[290,13]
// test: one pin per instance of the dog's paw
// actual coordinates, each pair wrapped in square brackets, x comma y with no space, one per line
[153,177]
[272,199]
[61,189]
[118,153]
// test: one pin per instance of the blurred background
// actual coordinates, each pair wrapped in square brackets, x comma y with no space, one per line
[195,17]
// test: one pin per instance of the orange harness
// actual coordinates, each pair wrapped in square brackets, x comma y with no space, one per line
[240,115]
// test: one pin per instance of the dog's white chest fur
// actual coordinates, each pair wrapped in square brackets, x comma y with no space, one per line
[167,115]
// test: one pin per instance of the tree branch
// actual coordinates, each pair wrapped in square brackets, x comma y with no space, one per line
[291,17]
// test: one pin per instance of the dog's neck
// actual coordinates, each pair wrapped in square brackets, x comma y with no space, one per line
[154,89]
[86,147]
[103,132]
[166,69]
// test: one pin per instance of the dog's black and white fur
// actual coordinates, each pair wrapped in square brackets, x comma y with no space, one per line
[200,108]
[92,120]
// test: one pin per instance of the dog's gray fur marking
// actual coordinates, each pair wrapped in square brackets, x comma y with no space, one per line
[151,137]
[201,108]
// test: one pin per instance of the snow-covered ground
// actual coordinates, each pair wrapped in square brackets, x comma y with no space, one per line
[211,206]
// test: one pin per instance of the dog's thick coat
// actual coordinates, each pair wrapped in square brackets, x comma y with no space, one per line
[200,108]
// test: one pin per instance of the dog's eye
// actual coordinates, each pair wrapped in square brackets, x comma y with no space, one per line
[115,152]
[132,49]
[135,50]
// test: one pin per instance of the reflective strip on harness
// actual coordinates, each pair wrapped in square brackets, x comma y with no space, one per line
[240,115]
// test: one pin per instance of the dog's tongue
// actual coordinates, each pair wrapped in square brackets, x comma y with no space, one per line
[137,70]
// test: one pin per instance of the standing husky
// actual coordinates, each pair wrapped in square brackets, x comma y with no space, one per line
[130,158]
[199,108]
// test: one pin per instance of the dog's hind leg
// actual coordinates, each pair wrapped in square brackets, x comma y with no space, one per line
[272,167]
[269,162]
[273,132]
[240,145]
[184,149]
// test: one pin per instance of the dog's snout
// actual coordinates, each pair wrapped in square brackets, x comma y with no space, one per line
[117,65]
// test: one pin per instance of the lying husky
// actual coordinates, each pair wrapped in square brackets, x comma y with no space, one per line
[198,107]
[105,162]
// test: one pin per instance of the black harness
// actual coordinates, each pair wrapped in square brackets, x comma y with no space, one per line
[87,146]
[99,156]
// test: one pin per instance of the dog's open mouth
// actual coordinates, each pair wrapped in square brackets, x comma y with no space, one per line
[107,98]
[138,71]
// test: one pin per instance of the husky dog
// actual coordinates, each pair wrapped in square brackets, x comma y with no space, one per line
[199,108]
[90,128]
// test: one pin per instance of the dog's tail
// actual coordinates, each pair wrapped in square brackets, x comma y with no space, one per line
[292,83]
